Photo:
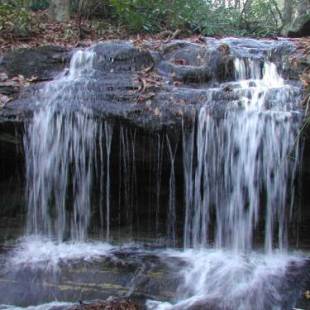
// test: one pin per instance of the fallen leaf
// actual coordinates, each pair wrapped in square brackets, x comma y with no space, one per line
[224,49]
[4,99]
[3,76]
[157,112]
[32,79]
[181,62]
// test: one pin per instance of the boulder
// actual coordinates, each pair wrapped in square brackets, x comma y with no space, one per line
[151,85]
[43,62]
[121,56]
[300,27]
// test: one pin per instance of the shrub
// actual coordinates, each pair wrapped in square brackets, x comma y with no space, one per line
[260,17]
[37,5]
[15,21]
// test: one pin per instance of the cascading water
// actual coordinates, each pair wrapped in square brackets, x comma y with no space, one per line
[239,172]
[245,161]
[60,148]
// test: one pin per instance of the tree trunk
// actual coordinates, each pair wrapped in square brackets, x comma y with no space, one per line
[303,7]
[59,10]
[287,12]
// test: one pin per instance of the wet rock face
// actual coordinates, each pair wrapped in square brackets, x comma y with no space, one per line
[195,64]
[42,62]
[154,90]
[120,57]
[150,86]
[12,171]
[123,274]
[110,304]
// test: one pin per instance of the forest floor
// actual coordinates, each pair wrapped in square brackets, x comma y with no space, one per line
[75,33]
[83,33]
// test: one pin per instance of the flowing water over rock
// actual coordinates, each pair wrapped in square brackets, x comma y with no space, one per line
[243,162]
[224,188]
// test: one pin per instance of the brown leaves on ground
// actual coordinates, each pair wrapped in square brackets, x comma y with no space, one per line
[113,304]
[149,81]
[303,48]
[69,34]
[157,41]
[4,100]
[81,32]
[305,78]
[303,52]
[224,49]
[12,85]
[302,44]
[181,62]
[17,81]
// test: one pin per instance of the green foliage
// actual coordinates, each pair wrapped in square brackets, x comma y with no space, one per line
[158,15]
[221,20]
[36,5]
[259,17]
[91,8]
[142,15]
[15,19]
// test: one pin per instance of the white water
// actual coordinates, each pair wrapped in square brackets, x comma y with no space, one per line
[60,148]
[42,253]
[241,175]
[245,166]
[47,306]
[218,279]
[239,183]
[172,212]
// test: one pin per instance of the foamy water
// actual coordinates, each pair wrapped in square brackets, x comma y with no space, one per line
[41,253]
[226,280]
[229,163]
[211,278]
[47,306]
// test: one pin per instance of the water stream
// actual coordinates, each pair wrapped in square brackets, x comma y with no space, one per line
[239,178]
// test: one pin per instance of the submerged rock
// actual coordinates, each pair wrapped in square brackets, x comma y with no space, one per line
[109,304]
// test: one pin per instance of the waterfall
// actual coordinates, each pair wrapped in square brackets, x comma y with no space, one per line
[105,133]
[239,167]
[245,164]
[220,178]
[171,229]
[60,150]
[239,178]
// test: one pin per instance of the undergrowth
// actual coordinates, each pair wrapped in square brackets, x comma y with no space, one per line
[256,18]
